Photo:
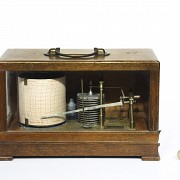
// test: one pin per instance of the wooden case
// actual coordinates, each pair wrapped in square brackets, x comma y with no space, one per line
[137,69]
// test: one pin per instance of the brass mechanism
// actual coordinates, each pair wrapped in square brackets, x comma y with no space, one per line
[131,99]
[123,122]
[126,123]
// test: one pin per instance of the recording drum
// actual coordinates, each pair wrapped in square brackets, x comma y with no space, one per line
[41,93]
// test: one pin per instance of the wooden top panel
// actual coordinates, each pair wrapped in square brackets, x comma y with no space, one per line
[119,59]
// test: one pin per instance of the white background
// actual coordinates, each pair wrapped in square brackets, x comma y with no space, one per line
[109,24]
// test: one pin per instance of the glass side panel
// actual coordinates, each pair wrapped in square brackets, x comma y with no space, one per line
[119,101]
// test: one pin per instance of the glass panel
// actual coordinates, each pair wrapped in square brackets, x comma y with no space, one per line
[128,89]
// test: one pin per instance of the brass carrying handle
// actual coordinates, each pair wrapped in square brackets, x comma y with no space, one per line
[56,52]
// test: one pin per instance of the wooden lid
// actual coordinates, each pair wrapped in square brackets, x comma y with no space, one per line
[34,59]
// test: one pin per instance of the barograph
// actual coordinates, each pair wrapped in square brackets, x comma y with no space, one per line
[79,102]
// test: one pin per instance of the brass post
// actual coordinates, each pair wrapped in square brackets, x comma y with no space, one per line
[101,102]
[131,118]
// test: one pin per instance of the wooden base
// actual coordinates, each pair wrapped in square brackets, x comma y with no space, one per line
[80,144]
